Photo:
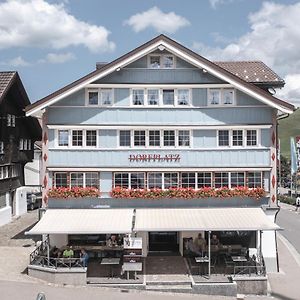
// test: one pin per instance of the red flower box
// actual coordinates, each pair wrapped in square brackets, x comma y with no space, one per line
[74,192]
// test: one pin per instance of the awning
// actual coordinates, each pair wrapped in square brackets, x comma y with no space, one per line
[84,221]
[195,219]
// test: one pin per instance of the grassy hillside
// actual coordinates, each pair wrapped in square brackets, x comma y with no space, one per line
[288,127]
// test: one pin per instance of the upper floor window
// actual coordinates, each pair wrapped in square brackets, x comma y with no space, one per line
[220,97]
[77,138]
[238,138]
[102,97]
[251,137]
[139,138]
[11,120]
[1,147]
[183,97]
[169,137]
[63,138]
[168,97]
[153,97]
[125,138]
[91,138]
[138,97]
[184,138]
[223,137]
[25,144]
[164,61]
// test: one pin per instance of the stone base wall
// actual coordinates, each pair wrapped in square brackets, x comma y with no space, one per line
[75,276]
[255,285]
[223,289]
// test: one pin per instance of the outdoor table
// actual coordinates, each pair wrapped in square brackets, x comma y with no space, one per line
[239,259]
[132,267]
[111,262]
[201,260]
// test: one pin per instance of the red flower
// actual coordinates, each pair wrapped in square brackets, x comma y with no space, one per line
[74,192]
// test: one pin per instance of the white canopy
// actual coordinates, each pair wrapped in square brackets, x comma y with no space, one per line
[84,221]
[195,219]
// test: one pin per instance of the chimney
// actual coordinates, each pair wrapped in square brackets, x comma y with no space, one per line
[99,65]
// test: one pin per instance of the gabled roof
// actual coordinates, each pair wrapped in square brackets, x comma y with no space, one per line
[178,50]
[6,80]
[252,71]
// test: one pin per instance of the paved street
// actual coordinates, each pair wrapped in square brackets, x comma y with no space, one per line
[289,220]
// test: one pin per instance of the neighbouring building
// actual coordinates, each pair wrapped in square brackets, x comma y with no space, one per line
[176,144]
[17,136]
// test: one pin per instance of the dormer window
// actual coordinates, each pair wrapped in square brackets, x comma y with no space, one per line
[164,61]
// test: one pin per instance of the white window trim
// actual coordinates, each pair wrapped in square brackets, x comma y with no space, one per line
[160,61]
[258,138]
[221,102]
[98,90]
[1,147]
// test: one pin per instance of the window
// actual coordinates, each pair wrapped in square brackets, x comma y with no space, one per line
[138,97]
[183,138]
[169,138]
[221,180]
[204,180]
[214,97]
[237,179]
[153,97]
[61,180]
[125,138]
[92,179]
[154,138]
[1,173]
[168,97]
[237,138]
[106,97]
[183,97]
[1,147]
[170,180]
[25,144]
[77,138]
[254,179]
[139,138]
[155,61]
[11,120]
[167,61]
[188,180]
[155,180]
[122,180]
[5,172]
[63,138]
[251,138]
[137,180]
[223,137]
[228,95]
[93,97]
[91,138]
[76,180]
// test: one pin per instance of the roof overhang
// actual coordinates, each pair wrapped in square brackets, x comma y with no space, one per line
[179,51]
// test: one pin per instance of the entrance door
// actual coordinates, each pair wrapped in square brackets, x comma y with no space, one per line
[163,242]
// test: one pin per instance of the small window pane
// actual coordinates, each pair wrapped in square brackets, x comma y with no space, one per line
[169,138]
[214,97]
[254,179]
[168,97]
[77,138]
[188,180]
[106,96]
[76,179]
[139,138]
[221,180]
[93,98]
[237,138]
[92,179]
[1,147]
[183,97]
[154,138]
[155,180]
[91,138]
[204,180]
[237,179]
[138,97]
[63,138]
[168,61]
[183,138]
[155,62]
[122,180]
[125,138]
[223,138]
[137,180]
[153,97]
[170,180]
[61,180]
[251,138]
[228,96]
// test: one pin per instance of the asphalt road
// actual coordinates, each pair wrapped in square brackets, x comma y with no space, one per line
[289,220]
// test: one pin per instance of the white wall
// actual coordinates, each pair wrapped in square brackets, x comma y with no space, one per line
[144,236]
[5,215]
[32,170]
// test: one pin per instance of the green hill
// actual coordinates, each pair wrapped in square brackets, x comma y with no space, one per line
[288,127]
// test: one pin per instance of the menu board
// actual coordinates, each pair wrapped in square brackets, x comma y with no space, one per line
[133,243]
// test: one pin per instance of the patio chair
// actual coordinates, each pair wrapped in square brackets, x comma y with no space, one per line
[229,265]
